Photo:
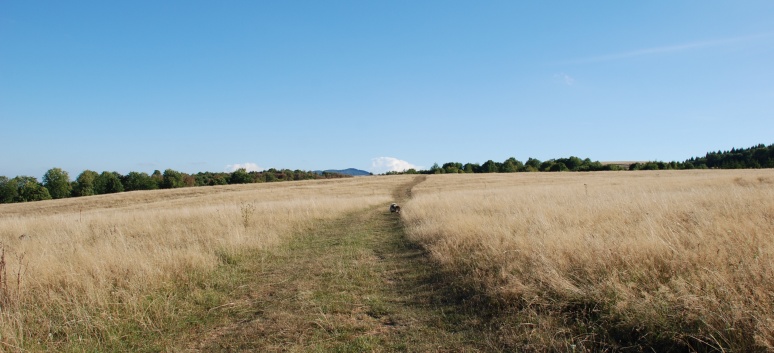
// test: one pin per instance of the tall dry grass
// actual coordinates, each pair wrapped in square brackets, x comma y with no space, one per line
[665,260]
[78,268]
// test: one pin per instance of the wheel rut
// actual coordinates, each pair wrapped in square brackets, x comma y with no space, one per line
[351,284]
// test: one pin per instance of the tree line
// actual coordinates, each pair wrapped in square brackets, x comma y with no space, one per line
[513,165]
[760,156]
[56,183]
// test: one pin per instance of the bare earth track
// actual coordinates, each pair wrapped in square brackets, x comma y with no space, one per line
[351,284]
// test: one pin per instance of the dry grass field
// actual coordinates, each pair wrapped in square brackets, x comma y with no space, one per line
[83,268]
[609,261]
[668,261]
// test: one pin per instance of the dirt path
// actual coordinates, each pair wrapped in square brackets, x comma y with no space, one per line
[354,284]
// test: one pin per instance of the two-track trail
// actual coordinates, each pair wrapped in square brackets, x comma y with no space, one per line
[353,284]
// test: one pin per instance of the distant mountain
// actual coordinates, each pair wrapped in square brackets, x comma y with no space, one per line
[348,171]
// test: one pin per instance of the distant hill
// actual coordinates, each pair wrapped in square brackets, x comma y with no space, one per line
[348,171]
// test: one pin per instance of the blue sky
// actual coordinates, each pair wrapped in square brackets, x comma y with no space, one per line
[210,86]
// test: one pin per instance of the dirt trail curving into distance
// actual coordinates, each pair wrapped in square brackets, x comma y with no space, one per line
[352,284]
[403,193]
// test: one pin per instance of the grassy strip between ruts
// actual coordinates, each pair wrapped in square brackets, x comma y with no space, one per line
[352,284]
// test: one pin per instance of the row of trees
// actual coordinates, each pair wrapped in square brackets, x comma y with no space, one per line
[57,184]
[760,156]
[513,165]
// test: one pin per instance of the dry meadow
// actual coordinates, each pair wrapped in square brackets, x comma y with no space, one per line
[671,261]
[76,269]
[608,261]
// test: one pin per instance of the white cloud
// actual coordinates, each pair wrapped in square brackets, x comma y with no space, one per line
[567,79]
[250,167]
[381,165]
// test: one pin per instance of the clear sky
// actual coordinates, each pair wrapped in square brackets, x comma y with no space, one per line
[210,86]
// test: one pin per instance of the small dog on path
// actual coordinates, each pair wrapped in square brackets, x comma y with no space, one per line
[394,208]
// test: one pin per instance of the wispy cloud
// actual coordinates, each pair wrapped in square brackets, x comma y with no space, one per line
[250,167]
[381,165]
[563,77]
[669,49]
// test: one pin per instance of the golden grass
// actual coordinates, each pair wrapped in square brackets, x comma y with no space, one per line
[75,268]
[586,260]
[655,259]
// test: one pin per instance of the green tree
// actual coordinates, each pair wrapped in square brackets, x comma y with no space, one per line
[158,178]
[512,165]
[270,175]
[84,183]
[172,179]
[240,176]
[57,181]
[558,167]
[138,181]
[534,163]
[761,156]
[530,169]
[108,183]
[452,167]
[594,166]
[572,163]
[9,191]
[30,190]
[210,179]
[490,167]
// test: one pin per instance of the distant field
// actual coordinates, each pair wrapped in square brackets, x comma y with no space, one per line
[613,259]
